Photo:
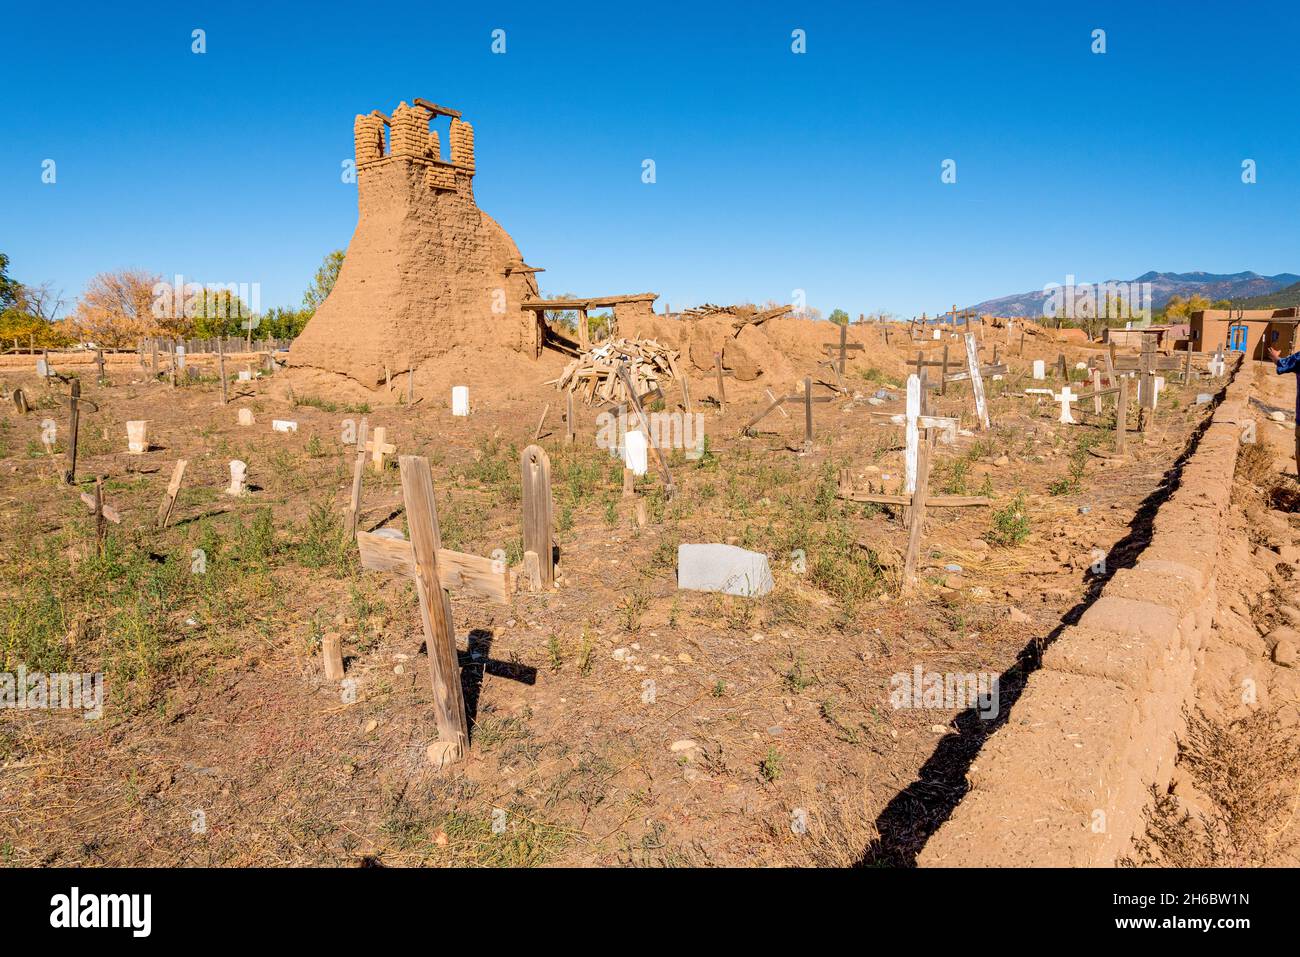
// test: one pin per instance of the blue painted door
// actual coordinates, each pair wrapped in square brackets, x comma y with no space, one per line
[1237,338]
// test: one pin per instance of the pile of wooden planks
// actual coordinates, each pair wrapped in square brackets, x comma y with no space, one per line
[742,316]
[593,375]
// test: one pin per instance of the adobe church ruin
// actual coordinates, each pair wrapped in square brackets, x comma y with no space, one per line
[426,269]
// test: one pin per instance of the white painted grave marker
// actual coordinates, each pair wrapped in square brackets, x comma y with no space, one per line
[238,477]
[636,452]
[460,400]
[1040,369]
[137,441]
[245,375]
[245,416]
[1065,397]
[284,425]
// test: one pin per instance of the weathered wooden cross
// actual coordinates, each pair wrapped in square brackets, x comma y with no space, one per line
[434,569]
[804,398]
[102,512]
[922,431]
[74,401]
[378,447]
[358,467]
[843,348]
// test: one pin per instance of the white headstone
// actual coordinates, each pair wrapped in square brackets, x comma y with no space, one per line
[180,357]
[1040,369]
[284,425]
[137,441]
[460,400]
[245,375]
[238,477]
[636,452]
[912,433]
[41,368]
[1158,383]
[245,416]
[936,333]
[723,568]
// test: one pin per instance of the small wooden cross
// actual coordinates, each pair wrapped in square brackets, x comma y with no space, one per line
[75,401]
[378,448]
[102,513]
[804,398]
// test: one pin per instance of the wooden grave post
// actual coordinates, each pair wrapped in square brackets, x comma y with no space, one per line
[1062,369]
[804,398]
[943,375]
[722,389]
[1146,384]
[173,490]
[569,430]
[977,382]
[434,569]
[537,504]
[221,371]
[410,386]
[358,469]
[74,406]
[99,362]
[537,432]
[1121,416]
[20,401]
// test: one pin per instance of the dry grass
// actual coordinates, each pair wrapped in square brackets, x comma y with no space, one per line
[1247,768]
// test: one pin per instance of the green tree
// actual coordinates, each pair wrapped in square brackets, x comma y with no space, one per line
[839,317]
[8,287]
[326,276]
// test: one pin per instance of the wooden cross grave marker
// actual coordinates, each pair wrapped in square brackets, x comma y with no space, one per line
[434,568]
[722,388]
[804,398]
[922,432]
[843,347]
[102,513]
[661,462]
[378,447]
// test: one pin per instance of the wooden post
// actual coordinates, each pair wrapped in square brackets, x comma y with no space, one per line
[20,402]
[1187,365]
[1061,369]
[331,653]
[99,361]
[722,393]
[536,468]
[976,381]
[1146,385]
[153,346]
[410,386]
[439,636]
[74,402]
[916,516]
[943,374]
[99,515]
[1121,415]
[584,331]
[358,469]
[1096,391]
[807,414]
[221,371]
[537,432]
[173,489]
[569,431]
[669,489]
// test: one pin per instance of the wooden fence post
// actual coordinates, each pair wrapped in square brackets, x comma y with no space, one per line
[358,469]
[1121,415]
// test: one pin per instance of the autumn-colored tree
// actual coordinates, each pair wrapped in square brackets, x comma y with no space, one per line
[1178,309]
[117,309]
[326,276]
[28,314]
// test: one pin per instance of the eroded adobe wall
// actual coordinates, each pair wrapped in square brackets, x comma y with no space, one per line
[426,269]
[1064,782]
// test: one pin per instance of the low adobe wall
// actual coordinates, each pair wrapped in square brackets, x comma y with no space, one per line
[1064,782]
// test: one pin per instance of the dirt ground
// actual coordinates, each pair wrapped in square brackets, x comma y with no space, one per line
[222,744]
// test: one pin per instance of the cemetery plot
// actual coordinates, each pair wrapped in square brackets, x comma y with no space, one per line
[400,635]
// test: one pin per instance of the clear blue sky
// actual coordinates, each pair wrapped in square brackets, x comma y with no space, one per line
[775,171]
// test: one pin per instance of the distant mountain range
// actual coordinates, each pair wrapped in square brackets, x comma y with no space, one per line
[1244,286]
[1282,299]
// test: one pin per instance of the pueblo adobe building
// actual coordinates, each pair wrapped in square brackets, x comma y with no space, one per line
[426,269]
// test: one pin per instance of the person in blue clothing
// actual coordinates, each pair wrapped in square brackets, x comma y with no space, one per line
[1284,365]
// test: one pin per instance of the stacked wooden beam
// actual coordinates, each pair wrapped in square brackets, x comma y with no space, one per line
[593,375]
